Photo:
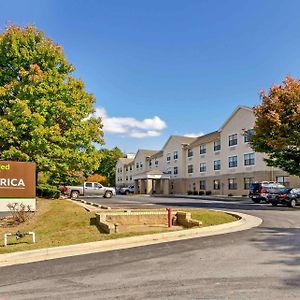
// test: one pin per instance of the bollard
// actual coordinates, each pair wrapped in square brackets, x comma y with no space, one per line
[169,210]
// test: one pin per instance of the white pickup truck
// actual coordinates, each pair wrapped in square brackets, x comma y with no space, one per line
[89,189]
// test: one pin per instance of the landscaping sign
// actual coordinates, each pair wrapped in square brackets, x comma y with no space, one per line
[17,183]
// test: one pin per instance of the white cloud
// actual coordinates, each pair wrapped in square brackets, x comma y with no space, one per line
[129,126]
[194,135]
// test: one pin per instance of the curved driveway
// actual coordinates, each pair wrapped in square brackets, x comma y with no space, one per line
[260,263]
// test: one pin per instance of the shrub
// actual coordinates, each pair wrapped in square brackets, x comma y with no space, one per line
[190,193]
[201,193]
[47,191]
[196,193]
[230,195]
[20,212]
[208,193]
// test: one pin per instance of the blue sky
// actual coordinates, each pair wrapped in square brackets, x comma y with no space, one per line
[164,67]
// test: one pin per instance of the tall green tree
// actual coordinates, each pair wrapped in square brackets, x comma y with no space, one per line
[45,111]
[108,162]
[277,126]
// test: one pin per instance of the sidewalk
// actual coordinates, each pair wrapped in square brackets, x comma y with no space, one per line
[246,222]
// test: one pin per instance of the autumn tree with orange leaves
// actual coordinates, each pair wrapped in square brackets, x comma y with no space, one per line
[277,126]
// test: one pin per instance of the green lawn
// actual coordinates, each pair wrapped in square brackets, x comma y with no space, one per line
[61,222]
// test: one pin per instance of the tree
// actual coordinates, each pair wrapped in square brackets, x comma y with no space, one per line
[45,111]
[277,126]
[108,162]
[98,178]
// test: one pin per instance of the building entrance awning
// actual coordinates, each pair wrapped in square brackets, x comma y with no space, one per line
[155,174]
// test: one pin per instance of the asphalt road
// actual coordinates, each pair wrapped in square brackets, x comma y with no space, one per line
[261,263]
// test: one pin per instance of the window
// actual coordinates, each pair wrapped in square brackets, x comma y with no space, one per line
[247,182]
[216,184]
[175,170]
[202,185]
[232,161]
[232,185]
[141,165]
[217,164]
[190,152]
[130,168]
[249,159]
[137,165]
[169,171]
[202,149]
[285,180]
[233,139]
[175,154]
[88,184]
[126,178]
[156,162]
[248,134]
[202,167]
[168,156]
[217,145]
[150,163]
[190,169]
[126,169]
[130,178]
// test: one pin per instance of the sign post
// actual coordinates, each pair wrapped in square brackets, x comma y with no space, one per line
[17,184]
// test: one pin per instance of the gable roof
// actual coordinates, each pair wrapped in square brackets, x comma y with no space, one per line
[233,114]
[209,137]
[146,152]
[125,160]
[180,139]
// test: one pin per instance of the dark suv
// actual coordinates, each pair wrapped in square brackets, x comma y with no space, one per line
[259,190]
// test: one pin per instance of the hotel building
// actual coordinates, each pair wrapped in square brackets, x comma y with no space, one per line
[221,162]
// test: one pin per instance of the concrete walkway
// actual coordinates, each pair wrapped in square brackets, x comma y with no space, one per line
[246,222]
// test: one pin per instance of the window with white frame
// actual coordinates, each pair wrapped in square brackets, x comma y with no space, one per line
[137,165]
[130,168]
[247,182]
[285,180]
[232,161]
[202,167]
[248,134]
[202,149]
[141,165]
[175,171]
[190,169]
[175,154]
[130,178]
[249,159]
[168,156]
[150,163]
[217,164]
[217,145]
[232,184]
[216,184]
[232,140]
[190,153]
[156,162]
[202,184]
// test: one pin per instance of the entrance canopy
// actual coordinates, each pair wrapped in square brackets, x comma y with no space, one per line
[151,182]
[154,174]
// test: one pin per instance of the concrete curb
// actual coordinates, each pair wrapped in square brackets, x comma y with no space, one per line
[213,198]
[246,222]
[91,203]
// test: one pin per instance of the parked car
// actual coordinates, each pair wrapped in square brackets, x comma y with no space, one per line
[127,190]
[89,189]
[259,190]
[288,197]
